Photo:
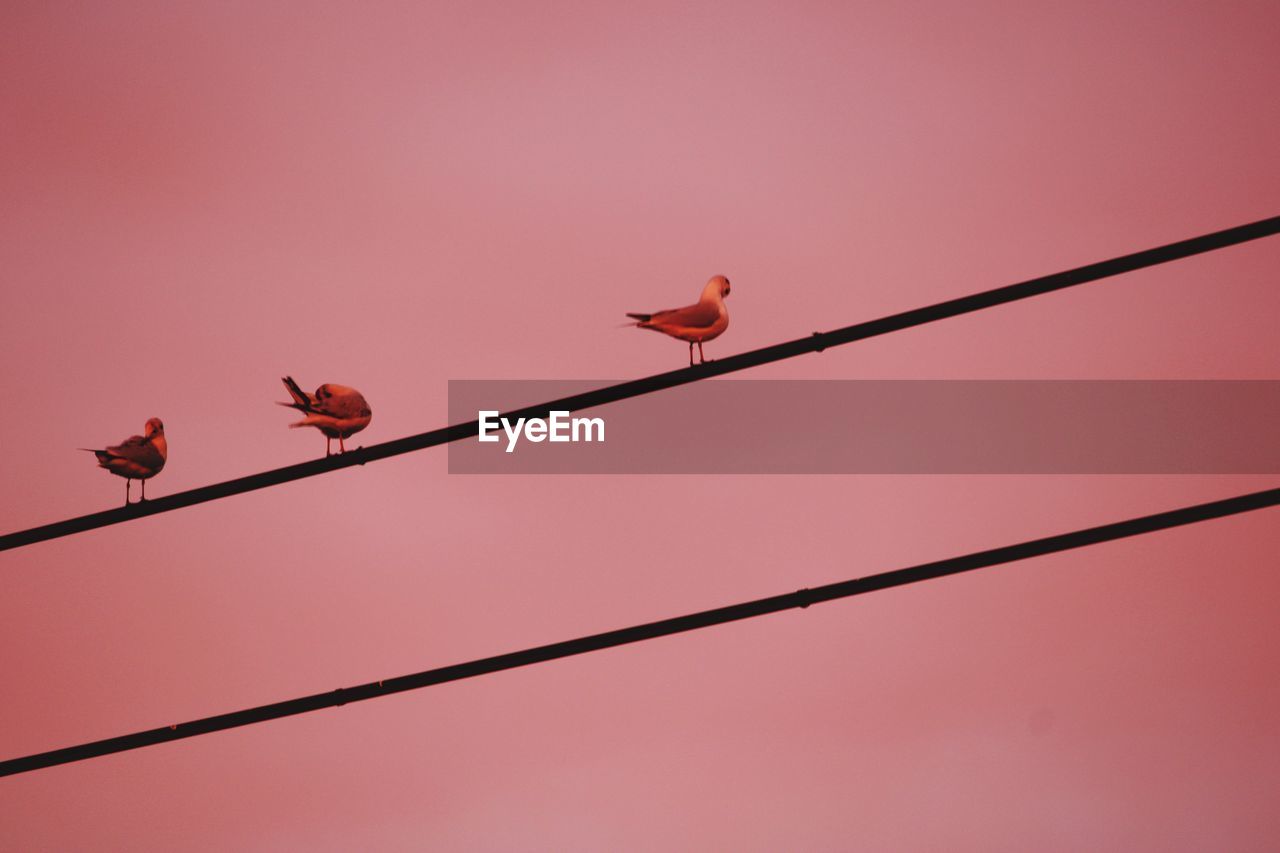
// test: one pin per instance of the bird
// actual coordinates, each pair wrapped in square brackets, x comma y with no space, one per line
[138,457]
[697,323]
[336,410]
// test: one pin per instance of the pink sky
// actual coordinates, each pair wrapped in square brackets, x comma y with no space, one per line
[196,201]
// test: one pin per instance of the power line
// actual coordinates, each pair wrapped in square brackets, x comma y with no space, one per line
[652,630]
[637,387]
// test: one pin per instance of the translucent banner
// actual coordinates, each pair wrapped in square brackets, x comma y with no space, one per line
[877,427]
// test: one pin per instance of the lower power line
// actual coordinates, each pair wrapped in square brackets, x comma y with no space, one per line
[665,627]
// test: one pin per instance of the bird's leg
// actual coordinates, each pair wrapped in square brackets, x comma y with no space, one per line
[127,483]
[144,490]
[701,360]
[691,353]
[342,445]
[328,443]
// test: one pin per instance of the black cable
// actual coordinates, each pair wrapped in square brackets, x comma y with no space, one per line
[637,387]
[652,630]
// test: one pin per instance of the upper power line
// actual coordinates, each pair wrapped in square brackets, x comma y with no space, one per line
[637,387]
[652,630]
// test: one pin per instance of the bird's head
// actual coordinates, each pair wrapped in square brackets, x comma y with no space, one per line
[155,427]
[717,288]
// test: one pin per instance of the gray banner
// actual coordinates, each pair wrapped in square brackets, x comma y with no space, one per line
[883,427]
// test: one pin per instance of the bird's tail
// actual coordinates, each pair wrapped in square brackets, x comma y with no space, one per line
[300,400]
[643,318]
[102,455]
[312,419]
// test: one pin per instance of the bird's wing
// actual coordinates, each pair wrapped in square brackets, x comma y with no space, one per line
[340,403]
[302,401]
[137,449]
[693,316]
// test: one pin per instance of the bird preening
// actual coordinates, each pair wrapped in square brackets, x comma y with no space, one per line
[336,410]
[698,323]
[138,457]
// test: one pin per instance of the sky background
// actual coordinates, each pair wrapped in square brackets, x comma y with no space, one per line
[196,199]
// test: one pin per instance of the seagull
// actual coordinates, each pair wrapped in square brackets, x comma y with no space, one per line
[336,410]
[697,323]
[138,457]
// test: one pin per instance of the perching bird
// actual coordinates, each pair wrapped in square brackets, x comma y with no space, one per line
[138,457]
[336,410]
[694,323]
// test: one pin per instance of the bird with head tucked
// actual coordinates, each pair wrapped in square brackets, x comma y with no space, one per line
[336,410]
[138,457]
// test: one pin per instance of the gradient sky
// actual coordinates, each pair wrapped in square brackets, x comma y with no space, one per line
[196,199]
